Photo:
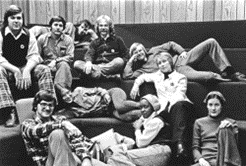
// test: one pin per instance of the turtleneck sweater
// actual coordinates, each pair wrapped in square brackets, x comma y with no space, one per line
[205,137]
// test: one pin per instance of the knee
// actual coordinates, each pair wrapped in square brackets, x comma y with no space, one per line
[63,64]
[57,135]
[78,64]
[42,68]
[119,61]
[212,41]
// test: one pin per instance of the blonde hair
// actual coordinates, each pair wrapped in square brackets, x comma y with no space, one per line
[134,47]
[161,55]
[108,20]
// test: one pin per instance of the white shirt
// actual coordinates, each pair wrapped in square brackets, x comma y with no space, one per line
[172,89]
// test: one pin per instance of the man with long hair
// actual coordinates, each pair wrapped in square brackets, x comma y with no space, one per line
[19,60]
[107,55]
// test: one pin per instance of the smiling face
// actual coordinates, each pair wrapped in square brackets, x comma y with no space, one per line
[15,22]
[146,108]
[163,64]
[103,28]
[214,107]
[45,109]
[57,28]
[141,55]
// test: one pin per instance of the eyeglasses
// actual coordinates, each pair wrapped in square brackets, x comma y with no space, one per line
[46,104]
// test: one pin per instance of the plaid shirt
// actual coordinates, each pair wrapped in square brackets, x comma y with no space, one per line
[35,134]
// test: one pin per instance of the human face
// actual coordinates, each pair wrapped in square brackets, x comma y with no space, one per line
[146,108]
[15,22]
[164,65]
[82,28]
[214,107]
[57,28]
[45,109]
[103,28]
[141,56]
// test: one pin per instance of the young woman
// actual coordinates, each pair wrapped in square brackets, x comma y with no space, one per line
[152,137]
[215,136]
[171,88]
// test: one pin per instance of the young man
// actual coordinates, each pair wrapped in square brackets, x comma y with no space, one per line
[142,61]
[107,54]
[52,140]
[57,50]
[19,59]
[171,89]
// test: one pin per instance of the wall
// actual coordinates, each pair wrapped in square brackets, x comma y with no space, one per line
[131,11]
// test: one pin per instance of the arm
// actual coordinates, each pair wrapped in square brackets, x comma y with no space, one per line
[30,129]
[180,92]
[129,71]
[149,133]
[196,142]
[90,54]
[147,77]
[171,46]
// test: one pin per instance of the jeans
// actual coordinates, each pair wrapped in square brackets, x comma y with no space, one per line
[153,155]
[195,56]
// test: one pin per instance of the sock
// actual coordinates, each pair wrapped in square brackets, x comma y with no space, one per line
[229,70]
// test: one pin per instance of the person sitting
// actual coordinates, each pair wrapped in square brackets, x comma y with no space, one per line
[57,50]
[185,63]
[19,61]
[84,34]
[107,55]
[53,140]
[171,87]
[152,137]
[215,136]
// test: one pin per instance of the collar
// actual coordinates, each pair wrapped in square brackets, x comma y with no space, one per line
[61,37]
[146,120]
[7,31]
[38,120]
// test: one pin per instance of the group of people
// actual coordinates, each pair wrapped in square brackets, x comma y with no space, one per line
[162,122]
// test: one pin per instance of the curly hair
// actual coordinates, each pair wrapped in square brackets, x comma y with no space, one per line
[110,23]
[45,95]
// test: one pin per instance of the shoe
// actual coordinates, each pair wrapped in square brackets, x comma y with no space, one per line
[218,77]
[181,151]
[13,119]
[238,77]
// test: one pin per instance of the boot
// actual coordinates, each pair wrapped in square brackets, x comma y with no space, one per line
[13,119]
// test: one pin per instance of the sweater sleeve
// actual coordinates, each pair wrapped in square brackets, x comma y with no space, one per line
[196,148]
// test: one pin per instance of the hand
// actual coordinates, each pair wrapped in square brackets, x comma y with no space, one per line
[134,92]
[86,162]
[225,123]
[133,58]
[18,78]
[203,162]
[26,76]
[70,128]
[138,123]
[107,98]
[88,67]
[183,55]
[52,65]
[90,31]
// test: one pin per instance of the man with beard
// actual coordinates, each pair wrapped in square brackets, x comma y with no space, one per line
[19,60]
[107,55]
[57,50]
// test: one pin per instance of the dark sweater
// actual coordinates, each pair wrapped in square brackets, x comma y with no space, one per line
[15,51]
